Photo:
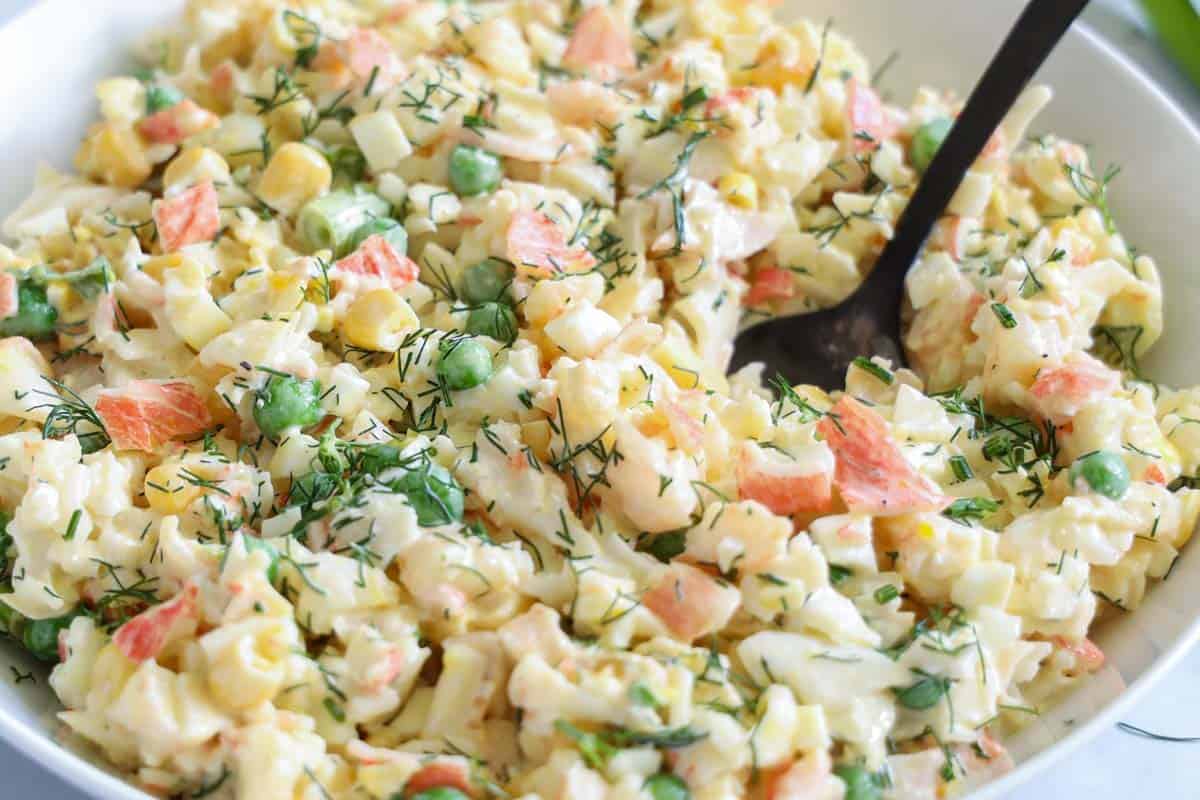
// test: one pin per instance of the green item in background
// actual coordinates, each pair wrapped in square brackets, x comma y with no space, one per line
[1177,23]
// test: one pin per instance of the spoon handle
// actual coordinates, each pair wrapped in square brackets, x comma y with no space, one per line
[1041,25]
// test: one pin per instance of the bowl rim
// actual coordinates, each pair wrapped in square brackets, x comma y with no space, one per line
[95,781]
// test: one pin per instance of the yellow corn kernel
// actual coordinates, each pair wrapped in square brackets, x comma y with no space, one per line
[297,173]
[773,76]
[925,531]
[285,292]
[195,165]
[682,366]
[686,368]
[113,153]
[536,434]
[740,190]
[378,320]
[156,266]
[167,491]
[291,120]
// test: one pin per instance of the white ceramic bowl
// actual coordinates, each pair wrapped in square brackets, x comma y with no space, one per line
[51,57]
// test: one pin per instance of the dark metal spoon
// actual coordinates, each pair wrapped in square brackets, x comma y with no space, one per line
[817,348]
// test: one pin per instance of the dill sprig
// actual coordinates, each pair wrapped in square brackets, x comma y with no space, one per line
[125,600]
[1158,737]
[1093,190]
[673,183]
[306,31]
[566,460]
[67,412]
[1020,446]
[1116,345]
[284,91]
[812,79]
[787,396]
[826,233]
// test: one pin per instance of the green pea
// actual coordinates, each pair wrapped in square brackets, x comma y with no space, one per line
[665,546]
[927,141]
[388,228]
[860,784]
[311,488]
[665,786]
[40,636]
[377,458]
[5,543]
[12,621]
[486,281]
[287,402]
[924,694]
[35,318]
[159,98]
[440,793]
[253,543]
[474,170]
[464,364]
[495,320]
[1104,472]
[330,221]
[348,164]
[433,493]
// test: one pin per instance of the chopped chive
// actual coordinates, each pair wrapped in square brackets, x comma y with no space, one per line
[1004,315]
[965,508]
[838,574]
[73,525]
[961,469]
[694,98]
[886,594]
[867,365]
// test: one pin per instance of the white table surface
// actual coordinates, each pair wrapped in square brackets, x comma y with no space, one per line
[1115,766]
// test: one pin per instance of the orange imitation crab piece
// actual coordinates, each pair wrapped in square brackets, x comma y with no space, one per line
[686,600]
[190,217]
[784,487]
[377,258]
[538,248]
[145,415]
[143,637]
[600,42]
[872,474]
